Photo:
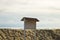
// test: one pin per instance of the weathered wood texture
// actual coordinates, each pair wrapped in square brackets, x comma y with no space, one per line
[30,24]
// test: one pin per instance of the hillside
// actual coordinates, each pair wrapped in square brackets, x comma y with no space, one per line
[15,34]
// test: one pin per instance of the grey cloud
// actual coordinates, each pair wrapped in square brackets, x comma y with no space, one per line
[42,15]
[13,2]
[44,25]
[2,10]
[44,19]
[54,8]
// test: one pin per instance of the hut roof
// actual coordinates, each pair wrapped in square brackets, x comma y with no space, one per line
[30,19]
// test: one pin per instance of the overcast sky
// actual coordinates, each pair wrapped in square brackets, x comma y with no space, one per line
[12,11]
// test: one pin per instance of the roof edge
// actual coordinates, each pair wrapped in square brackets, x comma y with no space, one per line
[29,18]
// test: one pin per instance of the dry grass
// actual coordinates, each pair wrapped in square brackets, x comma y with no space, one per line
[12,34]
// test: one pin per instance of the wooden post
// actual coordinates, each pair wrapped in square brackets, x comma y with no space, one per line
[24,30]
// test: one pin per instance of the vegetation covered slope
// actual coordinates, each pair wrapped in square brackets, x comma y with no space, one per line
[15,34]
